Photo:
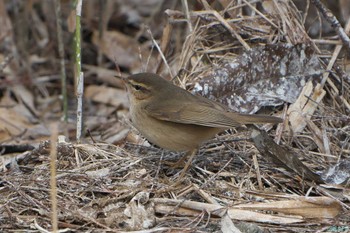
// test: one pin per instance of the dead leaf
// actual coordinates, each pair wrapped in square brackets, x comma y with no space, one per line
[338,173]
[282,155]
[141,212]
[24,95]
[12,123]
[107,95]
[192,208]
[307,207]
[263,76]
[122,49]
[305,106]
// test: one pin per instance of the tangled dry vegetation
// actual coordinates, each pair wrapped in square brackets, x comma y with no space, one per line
[254,57]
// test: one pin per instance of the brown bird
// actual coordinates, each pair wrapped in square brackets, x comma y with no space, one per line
[175,119]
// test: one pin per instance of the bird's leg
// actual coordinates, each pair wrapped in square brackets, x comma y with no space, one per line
[191,155]
[180,163]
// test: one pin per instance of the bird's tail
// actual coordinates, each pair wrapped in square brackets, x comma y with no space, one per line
[258,119]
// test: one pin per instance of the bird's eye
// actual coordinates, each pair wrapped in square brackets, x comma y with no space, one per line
[137,87]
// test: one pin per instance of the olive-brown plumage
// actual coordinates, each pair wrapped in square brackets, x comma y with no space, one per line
[177,120]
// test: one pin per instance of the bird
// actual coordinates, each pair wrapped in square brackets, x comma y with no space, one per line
[177,120]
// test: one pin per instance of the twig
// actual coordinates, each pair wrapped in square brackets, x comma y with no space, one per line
[101,28]
[80,90]
[79,74]
[61,56]
[261,14]
[5,62]
[160,52]
[187,13]
[257,170]
[164,44]
[334,22]
[332,63]
[53,184]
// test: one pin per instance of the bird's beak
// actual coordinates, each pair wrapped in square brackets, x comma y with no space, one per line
[126,83]
[119,77]
[125,80]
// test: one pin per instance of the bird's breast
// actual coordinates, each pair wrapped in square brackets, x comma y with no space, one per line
[171,135]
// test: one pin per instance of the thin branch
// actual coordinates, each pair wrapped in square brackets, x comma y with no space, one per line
[328,15]
[57,4]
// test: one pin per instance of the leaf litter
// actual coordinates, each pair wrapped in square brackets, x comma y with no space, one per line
[251,60]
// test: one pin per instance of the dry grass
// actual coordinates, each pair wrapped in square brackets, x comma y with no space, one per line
[108,188]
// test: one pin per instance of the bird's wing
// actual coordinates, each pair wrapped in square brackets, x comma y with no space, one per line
[205,112]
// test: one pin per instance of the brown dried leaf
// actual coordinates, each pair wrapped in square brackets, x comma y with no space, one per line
[307,207]
[246,215]
[227,225]
[107,95]
[304,106]
[118,47]
[282,155]
[14,119]
[192,208]
[24,95]
[122,49]
[141,212]
[12,123]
